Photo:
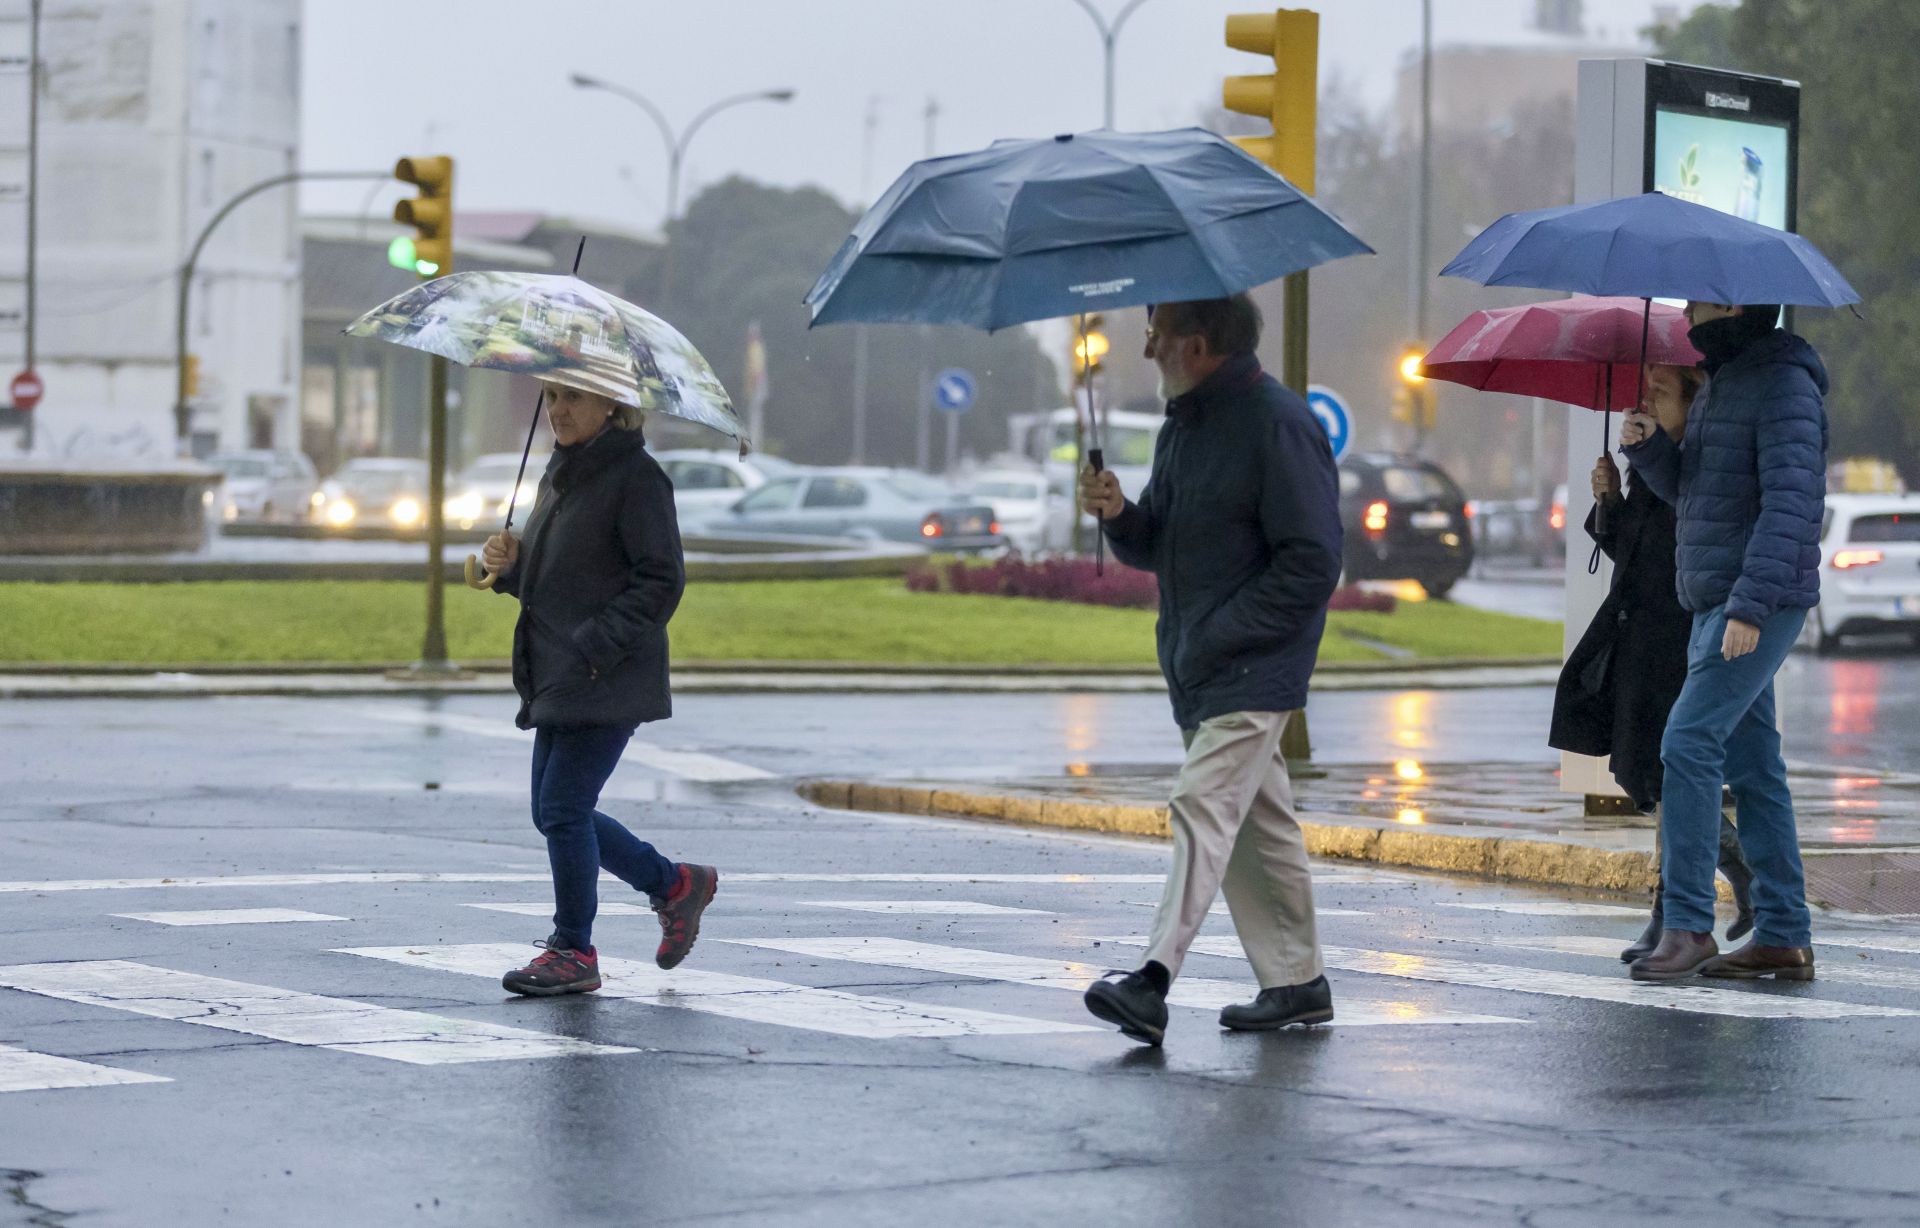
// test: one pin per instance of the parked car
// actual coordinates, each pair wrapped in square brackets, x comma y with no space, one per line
[708,482]
[1869,569]
[1405,519]
[264,484]
[375,490]
[482,492]
[1020,503]
[869,504]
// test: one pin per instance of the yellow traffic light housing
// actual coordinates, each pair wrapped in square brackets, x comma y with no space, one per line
[1288,97]
[430,213]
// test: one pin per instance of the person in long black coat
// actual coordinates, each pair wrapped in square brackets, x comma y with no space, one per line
[598,576]
[1623,676]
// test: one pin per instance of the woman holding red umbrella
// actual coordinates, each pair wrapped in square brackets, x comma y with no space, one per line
[1623,677]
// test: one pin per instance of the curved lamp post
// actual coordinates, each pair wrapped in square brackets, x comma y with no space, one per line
[1110,34]
[677,143]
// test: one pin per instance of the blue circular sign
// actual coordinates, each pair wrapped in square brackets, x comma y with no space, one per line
[1328,406]
[953,390]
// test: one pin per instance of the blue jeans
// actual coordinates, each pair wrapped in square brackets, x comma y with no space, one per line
[570,767]
[1722,730]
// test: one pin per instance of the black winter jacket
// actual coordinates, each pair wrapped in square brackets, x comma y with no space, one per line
[1621,679]
[600,572]
[1240,521]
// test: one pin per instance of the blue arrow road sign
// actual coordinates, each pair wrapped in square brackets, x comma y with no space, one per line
[953,390]
[1328,406]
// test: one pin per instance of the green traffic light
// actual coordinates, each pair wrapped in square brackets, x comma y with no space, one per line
[426,268]
[400,253]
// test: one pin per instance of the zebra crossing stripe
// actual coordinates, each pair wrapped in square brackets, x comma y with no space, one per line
[1901,943]
[376,877]
[23,1070]
[1221,910]
[1834,970]
[927,908]
[296,1018]
[607,908]
[742,997]
[1067,974]
[1667,995]
[229,916]
[1547,908]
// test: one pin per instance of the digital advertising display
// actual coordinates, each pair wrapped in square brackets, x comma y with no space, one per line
[1734,165]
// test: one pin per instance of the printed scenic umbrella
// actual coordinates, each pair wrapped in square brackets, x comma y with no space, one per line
[1028,230]
[1579,351]
[560,329]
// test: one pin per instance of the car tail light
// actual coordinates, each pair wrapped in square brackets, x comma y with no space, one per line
[1376,520]
[1856,558]
[933,526]
[1558,517]
[993,528]
[1466,509]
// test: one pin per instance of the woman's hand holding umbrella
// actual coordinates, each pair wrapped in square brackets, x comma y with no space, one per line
[500,554]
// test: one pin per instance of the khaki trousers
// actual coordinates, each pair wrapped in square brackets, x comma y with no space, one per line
[1234,829]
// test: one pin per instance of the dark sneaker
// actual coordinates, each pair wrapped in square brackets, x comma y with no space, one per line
[680,913]
[1130,1001]
[557,970]
[1282,1006]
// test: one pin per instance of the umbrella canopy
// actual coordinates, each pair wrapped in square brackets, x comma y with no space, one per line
[561,329]
[1580,351]
[1652,246]
[1035,229]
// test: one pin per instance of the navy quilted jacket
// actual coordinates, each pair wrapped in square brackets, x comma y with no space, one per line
[1748,481]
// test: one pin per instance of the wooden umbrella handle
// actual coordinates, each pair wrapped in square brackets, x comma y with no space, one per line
[477,580]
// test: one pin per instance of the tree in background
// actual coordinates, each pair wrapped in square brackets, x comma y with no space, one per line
[743,251]
[1858,167]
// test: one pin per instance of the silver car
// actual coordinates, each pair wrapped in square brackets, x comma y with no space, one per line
[865,504]
[265,485]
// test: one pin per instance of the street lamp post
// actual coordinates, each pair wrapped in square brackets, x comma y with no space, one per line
[677,143]
[1109,35]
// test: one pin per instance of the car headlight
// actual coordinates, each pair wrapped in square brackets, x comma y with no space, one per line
[231,511]
[406,512]
[467,508]
[317,499]
[340,513]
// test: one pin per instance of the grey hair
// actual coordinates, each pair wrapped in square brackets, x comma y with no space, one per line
[628,417]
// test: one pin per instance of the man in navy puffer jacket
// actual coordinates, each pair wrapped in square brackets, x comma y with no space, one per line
[1748,482]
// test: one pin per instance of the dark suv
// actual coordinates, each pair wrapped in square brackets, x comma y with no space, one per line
[1404,520]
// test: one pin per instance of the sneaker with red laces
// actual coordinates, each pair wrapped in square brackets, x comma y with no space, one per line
[556,970]
[680,913]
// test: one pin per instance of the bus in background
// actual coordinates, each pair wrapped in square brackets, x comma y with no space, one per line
[1052,441]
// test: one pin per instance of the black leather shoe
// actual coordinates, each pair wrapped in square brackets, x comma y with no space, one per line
[1681,954]
[1282,1006]
[1129,1001]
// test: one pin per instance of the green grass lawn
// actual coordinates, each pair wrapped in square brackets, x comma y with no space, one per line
[874,620]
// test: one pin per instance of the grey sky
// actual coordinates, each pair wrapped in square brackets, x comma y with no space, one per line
[496,93]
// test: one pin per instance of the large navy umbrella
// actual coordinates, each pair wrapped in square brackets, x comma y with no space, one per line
[1652,246]
[1034,229]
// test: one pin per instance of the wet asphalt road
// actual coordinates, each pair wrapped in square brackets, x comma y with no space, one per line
[1487,1069]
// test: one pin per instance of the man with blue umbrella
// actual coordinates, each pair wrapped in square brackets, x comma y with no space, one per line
[1749,484]
[1240,520]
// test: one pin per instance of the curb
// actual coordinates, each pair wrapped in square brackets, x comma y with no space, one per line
[1624,871]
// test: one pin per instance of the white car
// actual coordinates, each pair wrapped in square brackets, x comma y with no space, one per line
[264,484]
[706,482]
[481,493]
[1869,569]
[1020,503]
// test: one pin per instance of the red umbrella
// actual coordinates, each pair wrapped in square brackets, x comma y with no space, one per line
[1580,351]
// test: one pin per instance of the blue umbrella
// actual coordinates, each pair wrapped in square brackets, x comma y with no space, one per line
[1652,246]
[1035,229]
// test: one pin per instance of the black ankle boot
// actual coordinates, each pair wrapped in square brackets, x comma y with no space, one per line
[1733,864]
[1650,937]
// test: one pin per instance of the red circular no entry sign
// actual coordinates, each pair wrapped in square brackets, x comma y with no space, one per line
[26,390]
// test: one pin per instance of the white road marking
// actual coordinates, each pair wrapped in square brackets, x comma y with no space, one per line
[229,916]
[22,1070]
[741,997]
[262,880]
[1700,999]
[1549,908]
[341,1024]
[1877,942]
[1195,992]
[608,908]
[1221,910]
[928,908]
[687,764]
[1836,969]
[1068,879]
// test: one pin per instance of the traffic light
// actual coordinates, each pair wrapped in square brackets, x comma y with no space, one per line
[1287,97]
[1413,404]
[429,250]
[1090,346]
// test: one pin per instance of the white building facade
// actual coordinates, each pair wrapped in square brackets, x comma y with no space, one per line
[153,114]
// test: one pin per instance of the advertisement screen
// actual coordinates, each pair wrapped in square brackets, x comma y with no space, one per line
[1738,166]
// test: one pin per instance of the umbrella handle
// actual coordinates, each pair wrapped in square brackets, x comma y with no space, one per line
[475,580]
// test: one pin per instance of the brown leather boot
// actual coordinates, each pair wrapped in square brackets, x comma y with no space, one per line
[1681,954]
[1754,960]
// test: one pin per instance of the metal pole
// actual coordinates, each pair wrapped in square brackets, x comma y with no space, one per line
[923,427]
[182,411]
[433,652]
[33,202]
[1422,225]
[859,450]
[1109,36]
